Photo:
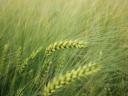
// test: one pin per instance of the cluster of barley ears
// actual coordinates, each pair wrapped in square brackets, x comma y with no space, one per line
[62,45]
[56,46]
[60,81]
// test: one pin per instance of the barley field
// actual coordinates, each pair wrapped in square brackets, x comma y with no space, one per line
[63,47]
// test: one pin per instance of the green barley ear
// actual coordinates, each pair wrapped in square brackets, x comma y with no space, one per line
[62,80]
[18,57]
[63,45]
[5,55]
[19,92]
[31,57]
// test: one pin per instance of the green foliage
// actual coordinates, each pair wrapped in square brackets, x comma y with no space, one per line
[31,30]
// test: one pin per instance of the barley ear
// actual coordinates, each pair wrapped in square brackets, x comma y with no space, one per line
[5,55]
[18,57]
[69,77]
[31,57]
[64,45]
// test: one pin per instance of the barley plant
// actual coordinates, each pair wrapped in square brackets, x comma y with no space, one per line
[63,48]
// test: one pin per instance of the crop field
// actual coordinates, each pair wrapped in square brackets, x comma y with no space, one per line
[63,47]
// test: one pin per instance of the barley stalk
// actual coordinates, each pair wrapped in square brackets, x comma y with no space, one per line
[62,80]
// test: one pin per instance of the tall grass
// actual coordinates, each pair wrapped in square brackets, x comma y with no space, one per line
[28,27]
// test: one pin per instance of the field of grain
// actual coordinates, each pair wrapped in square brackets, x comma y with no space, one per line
[63,47]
